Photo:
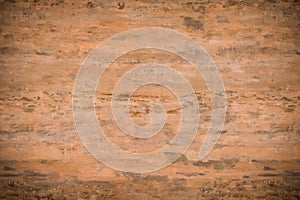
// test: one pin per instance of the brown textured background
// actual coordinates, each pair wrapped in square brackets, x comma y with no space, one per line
[255,46]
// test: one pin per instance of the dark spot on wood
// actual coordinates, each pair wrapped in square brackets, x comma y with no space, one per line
[156,178]
[6,168]
[121,6]
[268,175]
[90,4]
[11,1]
[3,132]
[266,168]
[189,174]
[191,23]
[10,175]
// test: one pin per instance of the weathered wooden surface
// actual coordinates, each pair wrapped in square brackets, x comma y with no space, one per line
[256,48]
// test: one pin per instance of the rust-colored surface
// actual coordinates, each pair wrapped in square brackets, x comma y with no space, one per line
[255,46]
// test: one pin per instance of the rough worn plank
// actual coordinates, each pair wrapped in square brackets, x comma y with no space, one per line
[255,46]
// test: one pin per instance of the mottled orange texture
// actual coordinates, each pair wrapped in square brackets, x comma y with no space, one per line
[255,46]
